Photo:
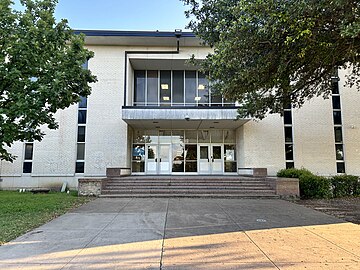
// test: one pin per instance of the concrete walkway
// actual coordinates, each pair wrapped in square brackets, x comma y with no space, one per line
[187,234]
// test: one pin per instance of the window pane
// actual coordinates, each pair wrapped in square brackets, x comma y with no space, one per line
[336,102]
[152,136]
[152,152]
[340,167]
[339,152]
[190,136]
[230,166]
[204,136]
[164,136]
[79,167]
[190,87]
[178,158]
[83,102]
[165,87]
[335,88]
[138,152]
[80,151]
[139,87]
[288,134]
[29,148]
[191,166]
[204,152]
[289,152]
[229,152]
[290,165]
[203,90]
[81,134]
[216,136]
[338,134]
[82,117]
[152,87]
[230,136]
[337,117]
[177,136]
[287,118]
[216,152]
[27,167]
[216,97]
[191,152]
[178,87]
[138,166]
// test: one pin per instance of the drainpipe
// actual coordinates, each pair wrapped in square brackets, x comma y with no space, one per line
[178,34]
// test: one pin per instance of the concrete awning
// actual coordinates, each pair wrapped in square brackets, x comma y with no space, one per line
[181,118]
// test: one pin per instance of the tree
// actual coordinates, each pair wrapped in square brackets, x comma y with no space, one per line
[40,71]
[269,53]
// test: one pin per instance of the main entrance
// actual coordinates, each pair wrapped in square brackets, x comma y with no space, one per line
[181,152]
[210,159]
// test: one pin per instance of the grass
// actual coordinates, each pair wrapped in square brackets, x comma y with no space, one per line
[22,212]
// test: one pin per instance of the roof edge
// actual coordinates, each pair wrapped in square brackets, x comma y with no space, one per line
[128,33]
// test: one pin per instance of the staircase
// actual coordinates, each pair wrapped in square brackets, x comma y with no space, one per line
[188,186]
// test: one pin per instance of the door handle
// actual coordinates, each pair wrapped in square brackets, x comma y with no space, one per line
[155,159]
[160,159]
[212,159]
[208,160]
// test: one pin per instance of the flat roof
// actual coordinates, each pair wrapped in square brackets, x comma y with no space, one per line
[138,38]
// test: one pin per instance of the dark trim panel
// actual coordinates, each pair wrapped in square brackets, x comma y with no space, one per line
[115,33]
[180,107]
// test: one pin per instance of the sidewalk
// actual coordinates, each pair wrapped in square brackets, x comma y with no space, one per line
[187,234]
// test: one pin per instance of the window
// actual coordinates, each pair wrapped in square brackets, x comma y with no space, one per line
[339,147]
[175,88]
[28,156]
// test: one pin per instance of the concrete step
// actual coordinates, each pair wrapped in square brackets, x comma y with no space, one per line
[198,195]
[218,187]
[186,191]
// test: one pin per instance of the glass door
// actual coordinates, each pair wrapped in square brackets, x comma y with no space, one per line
[216,159]
[152,159]
[164,159]
[204,159]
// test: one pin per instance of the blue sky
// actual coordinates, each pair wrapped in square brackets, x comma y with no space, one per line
[122,14]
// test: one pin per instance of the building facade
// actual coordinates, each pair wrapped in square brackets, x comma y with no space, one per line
[154,113]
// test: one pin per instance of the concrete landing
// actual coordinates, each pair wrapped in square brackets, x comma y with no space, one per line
[183,233]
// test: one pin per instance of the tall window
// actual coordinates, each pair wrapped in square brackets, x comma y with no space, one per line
[338,132]
[81,131]
[175,88]
[28,156]
[288,131]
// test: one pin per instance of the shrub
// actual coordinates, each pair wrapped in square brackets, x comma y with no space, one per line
[345,185]
[311,185]
[314,186]
[293,173]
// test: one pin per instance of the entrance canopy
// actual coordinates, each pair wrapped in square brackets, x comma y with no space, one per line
[180,118]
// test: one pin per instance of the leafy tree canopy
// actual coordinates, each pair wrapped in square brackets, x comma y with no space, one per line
[268,53]
[40,70]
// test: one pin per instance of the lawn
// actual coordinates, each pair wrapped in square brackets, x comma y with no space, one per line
[21,212]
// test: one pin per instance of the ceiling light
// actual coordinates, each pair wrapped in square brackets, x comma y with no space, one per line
[197,98]
[164,86]
[166,98]
[201,87]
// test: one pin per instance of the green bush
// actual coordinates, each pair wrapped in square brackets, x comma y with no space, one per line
[314,186]
[345,185]
[293,173]
[311,185]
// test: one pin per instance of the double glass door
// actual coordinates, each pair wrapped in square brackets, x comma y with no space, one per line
[210,158]
[158,159]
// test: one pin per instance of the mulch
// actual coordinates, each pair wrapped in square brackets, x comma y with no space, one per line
[344,208]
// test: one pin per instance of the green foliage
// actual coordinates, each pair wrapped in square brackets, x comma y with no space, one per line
[293,172]
[21,212]
[311,185]
[40,71]
[345,185]
[314,186]
[268,53]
